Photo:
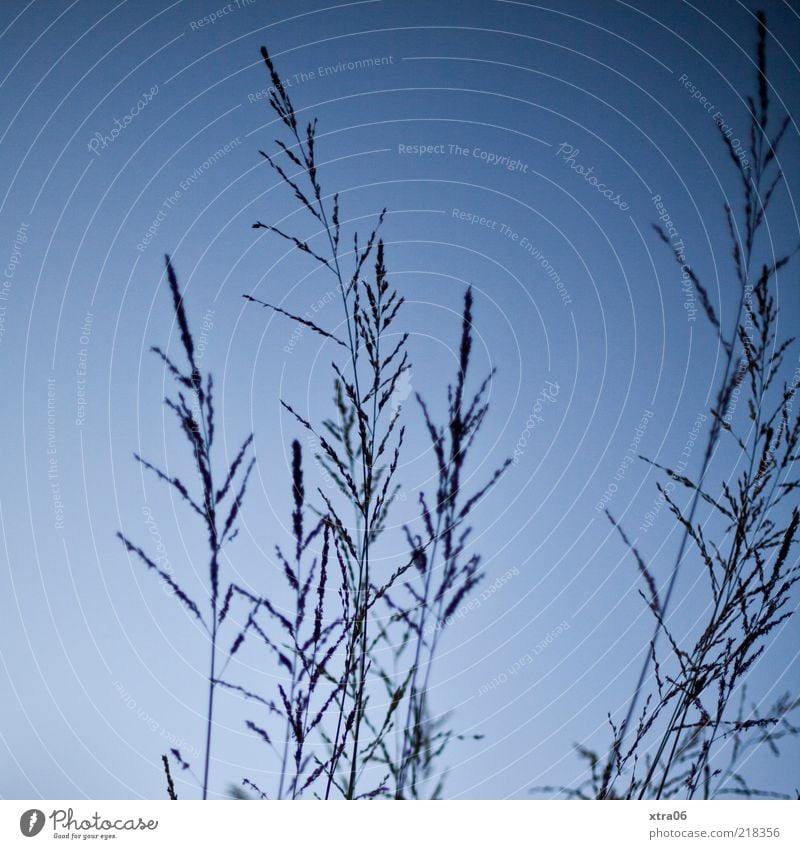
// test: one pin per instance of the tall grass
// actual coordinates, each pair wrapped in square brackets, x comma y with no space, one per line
[340,721]
[446,574]
[215,498]
[360,448]
[691,717]
[327,645]
[303,646]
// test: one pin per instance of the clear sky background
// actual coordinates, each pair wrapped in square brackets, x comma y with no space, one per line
[100,670]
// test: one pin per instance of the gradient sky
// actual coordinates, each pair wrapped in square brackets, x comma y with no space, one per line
[100,670]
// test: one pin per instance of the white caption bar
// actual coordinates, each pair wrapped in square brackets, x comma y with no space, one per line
[402,825]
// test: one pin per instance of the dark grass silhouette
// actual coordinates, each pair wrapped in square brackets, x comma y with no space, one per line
[360,450]
[328,660]
[216,504]
[305,647]
[690,721]
[170,783]
[445,575]
[681,736]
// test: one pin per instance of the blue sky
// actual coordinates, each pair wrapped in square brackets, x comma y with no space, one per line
[140,118]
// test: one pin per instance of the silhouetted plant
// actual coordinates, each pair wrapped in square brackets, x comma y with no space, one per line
[750,572]
[362,461]
[217,505]
[170,783]
[360,451]
[328,660]
[445,574]
[304,651]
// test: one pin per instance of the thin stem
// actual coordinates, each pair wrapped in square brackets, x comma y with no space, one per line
[729,583]
[213,571]
[211,686]
[366,474]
